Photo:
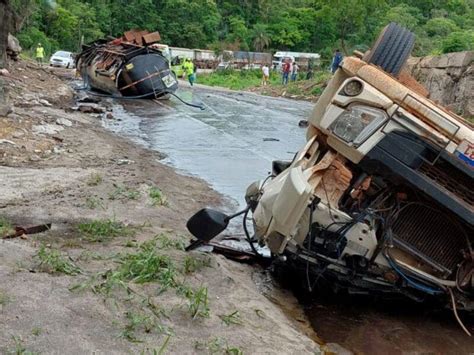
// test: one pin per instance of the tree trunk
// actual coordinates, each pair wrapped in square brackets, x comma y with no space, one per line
[5,18]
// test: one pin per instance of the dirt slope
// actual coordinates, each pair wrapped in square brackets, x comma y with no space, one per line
[118,218]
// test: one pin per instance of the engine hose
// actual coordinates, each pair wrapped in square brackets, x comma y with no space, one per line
[248,238]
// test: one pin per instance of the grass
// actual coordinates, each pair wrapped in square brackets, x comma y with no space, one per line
[146,265]
[135,322]
[36,331]
[232,318]
[198,303]
[94,179]
[124,192]
[20,348]
[6,227]
[4,299]
[165,242]
[192,264]
[52,261]
[218,346]
[248,79]
[157,197]
[102,230]
[94,202]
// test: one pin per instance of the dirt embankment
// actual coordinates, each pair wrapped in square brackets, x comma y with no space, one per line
[110,276]
[449,78]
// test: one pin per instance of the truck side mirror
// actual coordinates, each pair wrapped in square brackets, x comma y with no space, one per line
[207,224]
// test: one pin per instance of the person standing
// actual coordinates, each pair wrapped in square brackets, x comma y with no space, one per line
[39,54]
[286,71]
[336,61]
[189,69]
[294,72]
[265,74]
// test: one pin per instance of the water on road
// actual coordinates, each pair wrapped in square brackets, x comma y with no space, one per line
[231,144]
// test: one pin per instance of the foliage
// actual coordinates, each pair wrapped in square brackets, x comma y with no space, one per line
[54,262]
[103,230]
[299,25]
[157,197]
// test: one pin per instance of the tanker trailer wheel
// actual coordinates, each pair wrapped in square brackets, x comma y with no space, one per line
[391,49]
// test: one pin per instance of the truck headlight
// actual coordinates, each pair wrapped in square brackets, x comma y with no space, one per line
[352,88]
[357,123]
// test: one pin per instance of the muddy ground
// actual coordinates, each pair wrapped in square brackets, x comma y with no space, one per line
[110,276]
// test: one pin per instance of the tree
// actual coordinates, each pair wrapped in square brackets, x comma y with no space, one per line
[5,18]
[261,39]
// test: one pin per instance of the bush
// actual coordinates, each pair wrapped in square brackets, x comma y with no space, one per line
[458,41]
[31,36]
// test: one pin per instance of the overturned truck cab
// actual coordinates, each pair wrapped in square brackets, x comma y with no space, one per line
[133,66]
[380,198]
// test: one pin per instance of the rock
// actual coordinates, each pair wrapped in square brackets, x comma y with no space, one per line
[109,116]
[91,108]
[4,72]
[7,141]
[83,97]
[63,122]
[13,47]
[5,110]
[449,78]
[45,102]
[18,134]
[124,162]
[46,129]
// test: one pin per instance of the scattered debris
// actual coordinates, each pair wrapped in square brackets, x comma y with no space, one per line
[19,231]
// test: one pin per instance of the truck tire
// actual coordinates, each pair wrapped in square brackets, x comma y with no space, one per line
[392,49]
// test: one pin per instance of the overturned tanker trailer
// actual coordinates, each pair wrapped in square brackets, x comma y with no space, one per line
[380,199]
[133,66]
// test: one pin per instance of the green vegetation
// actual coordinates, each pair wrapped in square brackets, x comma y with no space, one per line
[192,264]
[217,346]
[157,197]
[36,331]
[94,202]
[102,230]
[94,179]
[4,298]
[136,322]
[6,227]
[52,261]
[251,79]
[198,303]
[20,347]
[124,192]
[298,25]
[232,318]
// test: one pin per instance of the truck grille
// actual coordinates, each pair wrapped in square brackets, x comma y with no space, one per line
[431,235]
[452,180]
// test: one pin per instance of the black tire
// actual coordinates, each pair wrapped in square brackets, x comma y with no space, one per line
[392,49]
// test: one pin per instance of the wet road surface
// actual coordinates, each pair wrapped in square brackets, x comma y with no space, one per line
[231,144]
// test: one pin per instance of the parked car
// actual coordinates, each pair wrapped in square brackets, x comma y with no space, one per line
[62,59]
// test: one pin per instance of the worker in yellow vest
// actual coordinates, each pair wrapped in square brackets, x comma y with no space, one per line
[188,68]
[39,54]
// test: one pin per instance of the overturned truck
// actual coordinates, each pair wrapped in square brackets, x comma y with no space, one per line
[133,66]
[380,199]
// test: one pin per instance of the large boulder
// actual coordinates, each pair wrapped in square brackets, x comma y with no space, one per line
[449,78]
[13,48]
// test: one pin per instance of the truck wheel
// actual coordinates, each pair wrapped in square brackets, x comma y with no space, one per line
[392,48]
